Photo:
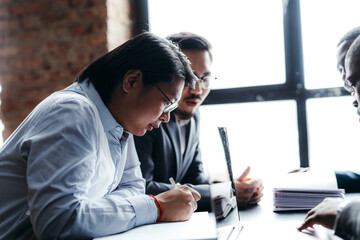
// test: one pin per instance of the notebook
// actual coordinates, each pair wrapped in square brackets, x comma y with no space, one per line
[223,223]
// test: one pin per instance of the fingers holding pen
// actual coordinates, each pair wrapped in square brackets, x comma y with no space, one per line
[178,203]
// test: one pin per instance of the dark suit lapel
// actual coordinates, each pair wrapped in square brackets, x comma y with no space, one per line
[188,155]
[172,129]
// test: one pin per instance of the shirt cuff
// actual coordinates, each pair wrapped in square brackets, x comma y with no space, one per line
[145,209]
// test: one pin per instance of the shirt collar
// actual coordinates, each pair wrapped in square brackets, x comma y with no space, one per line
[107,119]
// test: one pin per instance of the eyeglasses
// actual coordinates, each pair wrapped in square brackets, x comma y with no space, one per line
[171,105]
[205,81]
[348,87]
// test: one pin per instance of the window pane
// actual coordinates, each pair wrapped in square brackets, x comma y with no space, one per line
[323,23]
[263,135]
[236,29]
[333,133]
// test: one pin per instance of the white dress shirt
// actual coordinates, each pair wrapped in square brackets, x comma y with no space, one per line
[64,172]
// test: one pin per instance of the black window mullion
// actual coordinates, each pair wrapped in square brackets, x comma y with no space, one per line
[249,94]
[295,71]
[141,16]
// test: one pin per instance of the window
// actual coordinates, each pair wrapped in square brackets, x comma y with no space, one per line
[333,128]
[278,91]
[231,35]
[323,24]
[261,134]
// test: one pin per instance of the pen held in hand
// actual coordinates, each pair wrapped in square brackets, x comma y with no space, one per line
[172,181]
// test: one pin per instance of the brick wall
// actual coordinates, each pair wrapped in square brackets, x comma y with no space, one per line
[44,44]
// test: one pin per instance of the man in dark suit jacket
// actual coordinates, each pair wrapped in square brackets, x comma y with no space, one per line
[337,213]
[173,149]
[161,158]
[348,180]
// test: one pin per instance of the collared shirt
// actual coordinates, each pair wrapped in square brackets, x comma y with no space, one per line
[65,173]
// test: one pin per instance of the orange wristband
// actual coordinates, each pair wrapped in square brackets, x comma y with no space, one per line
[161,210]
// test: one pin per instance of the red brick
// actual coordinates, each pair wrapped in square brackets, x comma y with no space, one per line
[5,12]
[28,49]
[97,41]
[98,1]
[4,65]
[60,4]
[32,21]
[5,2]
[8,95]
[73,16]
[97,12]
[5,39]
[29,36]
[30,8]
[80,29]
[7,131]
[9,25]
[79,3]
[21,78]
[99,27]
[55,47]
[55,19]
[11,106]
[8,51]
[43,46]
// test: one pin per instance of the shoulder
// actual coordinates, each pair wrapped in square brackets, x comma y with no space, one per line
[69,102]
[66,110]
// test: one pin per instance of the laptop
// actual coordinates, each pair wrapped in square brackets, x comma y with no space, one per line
[223,195]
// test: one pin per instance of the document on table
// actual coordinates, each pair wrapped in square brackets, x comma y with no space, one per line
[200,226]
[304,190]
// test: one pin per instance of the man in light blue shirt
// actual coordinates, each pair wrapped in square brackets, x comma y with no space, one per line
[70,170]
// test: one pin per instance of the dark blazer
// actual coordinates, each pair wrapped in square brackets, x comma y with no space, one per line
[160,155]
[348,180]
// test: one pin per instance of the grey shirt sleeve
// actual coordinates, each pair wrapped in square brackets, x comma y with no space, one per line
[347,223]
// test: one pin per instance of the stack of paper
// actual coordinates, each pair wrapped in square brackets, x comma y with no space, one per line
[223,205]
[304,190]
[224,199]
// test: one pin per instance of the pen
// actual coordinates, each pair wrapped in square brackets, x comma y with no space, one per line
[172,182]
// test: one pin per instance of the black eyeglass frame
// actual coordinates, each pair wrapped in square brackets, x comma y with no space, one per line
[203,79]
[172,106]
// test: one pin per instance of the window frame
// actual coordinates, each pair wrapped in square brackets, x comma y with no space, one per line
[292,89]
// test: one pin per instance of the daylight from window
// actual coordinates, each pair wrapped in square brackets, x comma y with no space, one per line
[321,35]
[235,34]
[248,50]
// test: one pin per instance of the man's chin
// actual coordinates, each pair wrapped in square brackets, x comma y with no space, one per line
[184,115]
[139,133]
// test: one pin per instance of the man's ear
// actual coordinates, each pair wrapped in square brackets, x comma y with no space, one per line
[131,80]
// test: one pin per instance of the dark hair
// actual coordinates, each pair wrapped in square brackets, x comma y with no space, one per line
[350,35]
[158,59]
[190,41]
[354,51]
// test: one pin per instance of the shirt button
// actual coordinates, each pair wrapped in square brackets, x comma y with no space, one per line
[118,128]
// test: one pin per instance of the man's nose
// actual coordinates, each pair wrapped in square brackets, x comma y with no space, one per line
[165,117]
[355,103]
[198,89]
[343,74]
